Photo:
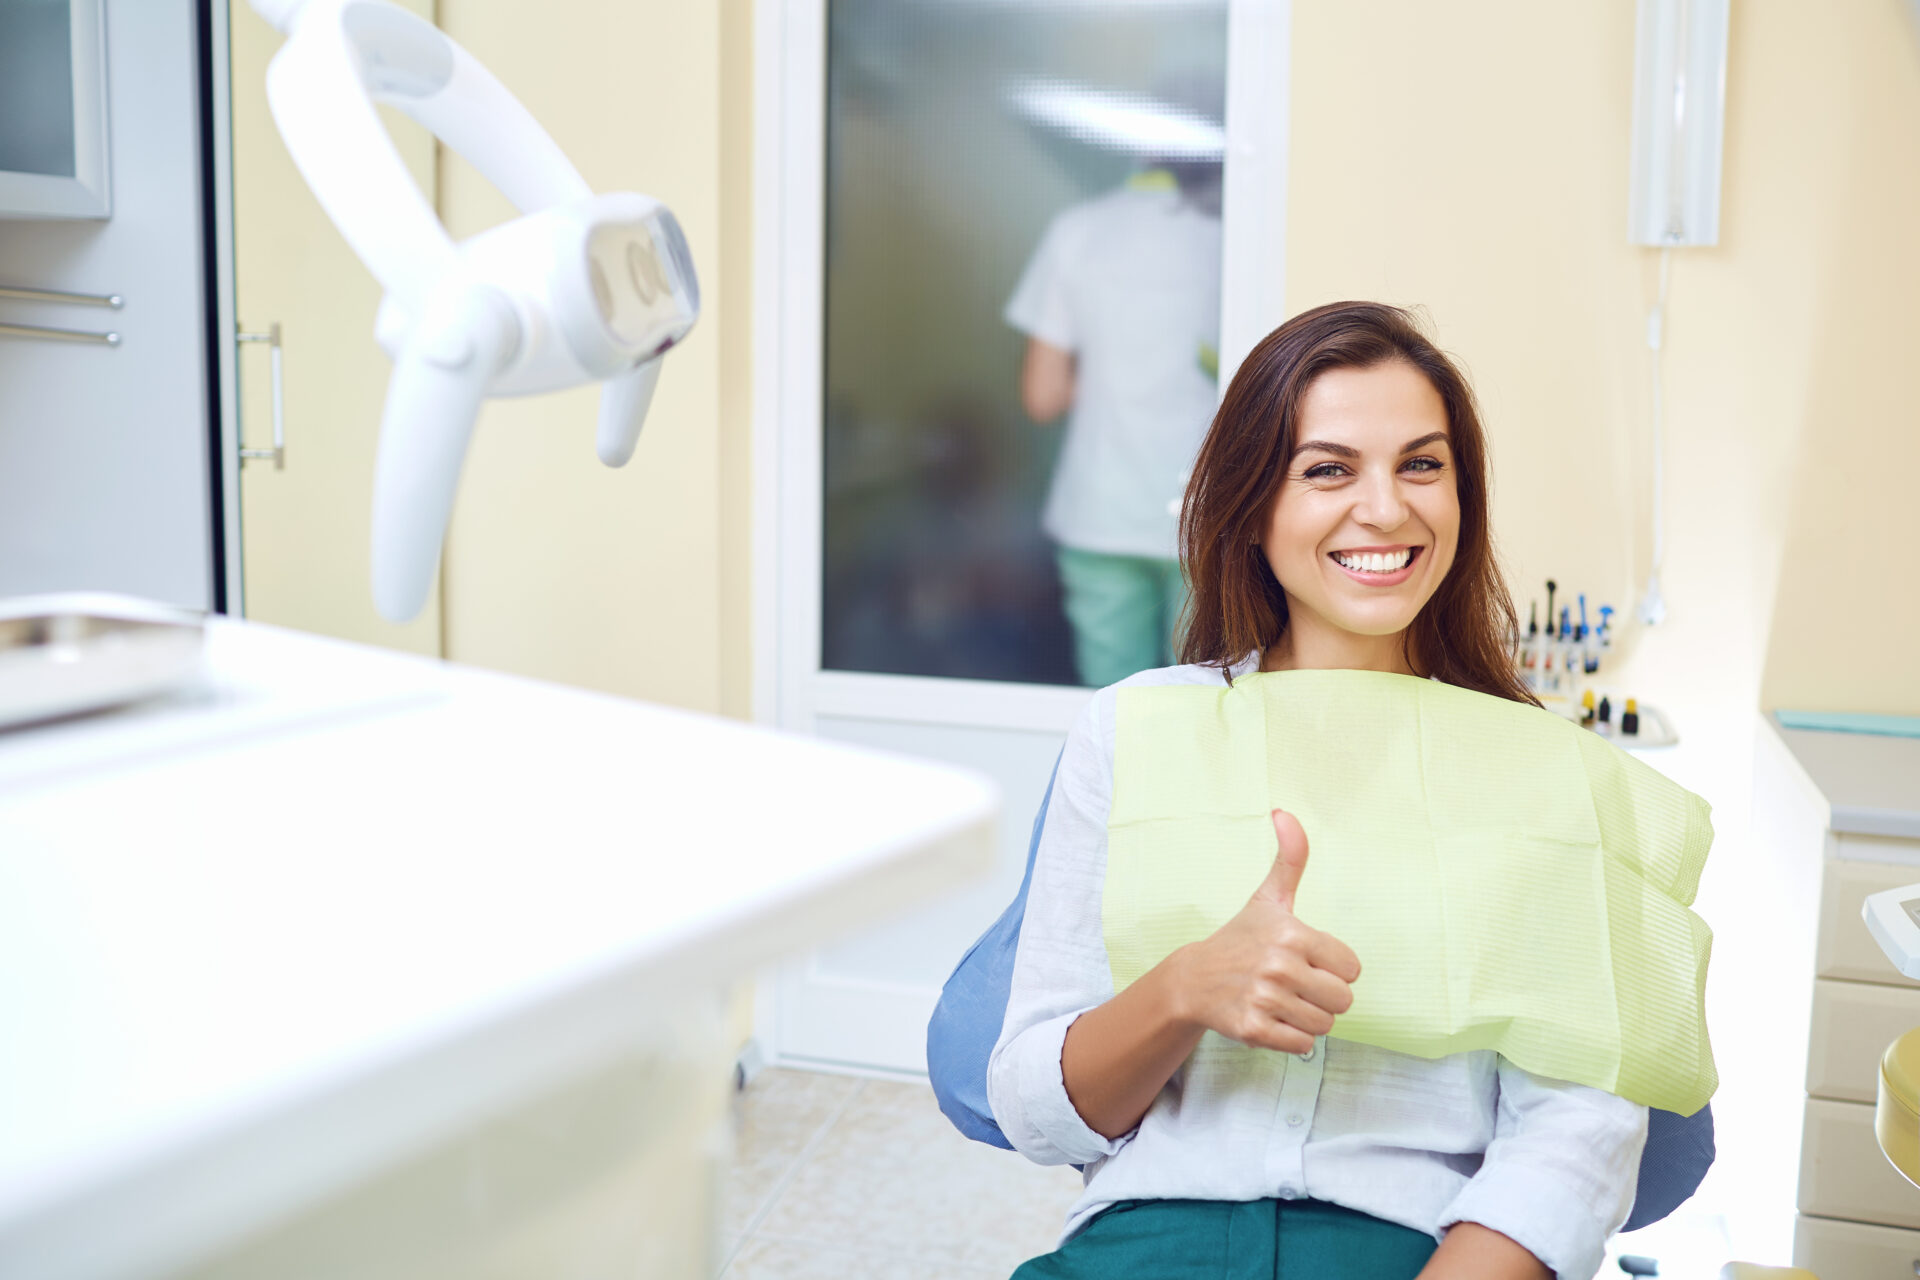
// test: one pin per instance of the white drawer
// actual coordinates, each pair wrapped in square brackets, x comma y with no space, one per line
[1853,1023]
[1855,1251]
[1844,1174]
[1845,948]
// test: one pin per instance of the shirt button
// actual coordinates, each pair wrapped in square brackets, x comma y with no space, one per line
[1288,1191]
[1308,1055]
[1296,1119]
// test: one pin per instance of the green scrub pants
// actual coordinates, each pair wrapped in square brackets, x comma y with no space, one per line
[1229,1240]
[1123,610]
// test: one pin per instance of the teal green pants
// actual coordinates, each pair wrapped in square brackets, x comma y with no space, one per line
[1123,609]
[1229,1240]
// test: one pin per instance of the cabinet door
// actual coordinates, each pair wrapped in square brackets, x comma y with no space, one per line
[305,540]
[105,448]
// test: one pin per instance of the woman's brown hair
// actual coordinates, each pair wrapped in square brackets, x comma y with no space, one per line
[1462,635]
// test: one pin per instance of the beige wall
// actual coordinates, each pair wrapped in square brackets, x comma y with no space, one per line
[634,581]
[1472,158]
[1846,105]
[306,528]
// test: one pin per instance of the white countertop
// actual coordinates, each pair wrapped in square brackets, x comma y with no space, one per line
[257,941]
[1870,781]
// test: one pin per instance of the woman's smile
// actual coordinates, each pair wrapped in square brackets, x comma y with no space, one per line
[1377,566]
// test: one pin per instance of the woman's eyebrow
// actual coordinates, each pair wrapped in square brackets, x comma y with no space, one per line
[1348,451]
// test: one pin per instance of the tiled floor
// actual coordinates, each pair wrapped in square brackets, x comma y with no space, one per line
[837,1178]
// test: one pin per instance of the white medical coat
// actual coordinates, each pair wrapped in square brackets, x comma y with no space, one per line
[1130,283]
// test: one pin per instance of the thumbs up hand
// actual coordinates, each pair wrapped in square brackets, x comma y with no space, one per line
[1265,978]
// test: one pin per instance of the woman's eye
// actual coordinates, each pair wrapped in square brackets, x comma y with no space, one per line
[1333,470]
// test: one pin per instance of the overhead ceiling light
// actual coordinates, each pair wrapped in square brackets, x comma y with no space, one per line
[1129,122]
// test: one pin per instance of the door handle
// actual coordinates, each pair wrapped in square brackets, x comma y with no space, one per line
[279,451]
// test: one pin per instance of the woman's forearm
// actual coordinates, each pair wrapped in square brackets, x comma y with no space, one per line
[1117,1057]
[1470,1251]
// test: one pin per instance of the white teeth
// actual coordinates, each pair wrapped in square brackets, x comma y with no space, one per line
[1375,561]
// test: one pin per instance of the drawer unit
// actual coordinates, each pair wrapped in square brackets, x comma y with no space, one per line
[1855,1250]
[1845,949]
[1853,1023]
[1844,1174]
[1859,1218]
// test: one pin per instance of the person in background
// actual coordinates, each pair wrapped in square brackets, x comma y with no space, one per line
[1121,307]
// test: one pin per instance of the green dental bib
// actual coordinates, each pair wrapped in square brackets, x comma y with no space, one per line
[1509,880]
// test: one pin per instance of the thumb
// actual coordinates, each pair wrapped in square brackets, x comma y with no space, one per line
[1284,877]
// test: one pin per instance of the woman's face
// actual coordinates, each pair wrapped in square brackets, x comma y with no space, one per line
[1368,517]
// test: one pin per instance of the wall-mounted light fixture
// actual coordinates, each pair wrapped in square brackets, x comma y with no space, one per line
[1679,115]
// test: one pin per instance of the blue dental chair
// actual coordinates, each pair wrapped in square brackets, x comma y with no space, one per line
[973,1004]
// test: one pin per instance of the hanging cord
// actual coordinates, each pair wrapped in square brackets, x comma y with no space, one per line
[1653,608]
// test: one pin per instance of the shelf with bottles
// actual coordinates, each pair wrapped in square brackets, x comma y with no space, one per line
[1625,721]
[1561,660]
[1562,663]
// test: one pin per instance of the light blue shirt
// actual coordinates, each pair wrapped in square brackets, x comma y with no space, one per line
[1465,1138]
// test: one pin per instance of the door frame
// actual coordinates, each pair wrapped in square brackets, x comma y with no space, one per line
[789,235]
[216,79]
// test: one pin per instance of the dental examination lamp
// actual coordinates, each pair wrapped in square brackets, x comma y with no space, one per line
[581,288]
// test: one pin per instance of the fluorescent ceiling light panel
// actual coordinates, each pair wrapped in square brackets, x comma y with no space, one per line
[1128,122]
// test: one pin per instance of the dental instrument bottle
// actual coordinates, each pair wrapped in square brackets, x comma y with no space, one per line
[1586,709]
[1630,719]
[1605,717]
[1530,648]
[1589,648]
[1568,655]
[1550,647]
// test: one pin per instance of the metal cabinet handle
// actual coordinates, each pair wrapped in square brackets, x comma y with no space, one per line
[279,451]
[40,331]
[56,295]
[58,335]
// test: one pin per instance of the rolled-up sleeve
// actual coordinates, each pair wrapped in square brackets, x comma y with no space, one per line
[1560,1174]
[1060,967]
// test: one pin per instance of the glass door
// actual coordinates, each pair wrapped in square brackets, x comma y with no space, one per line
[995,307]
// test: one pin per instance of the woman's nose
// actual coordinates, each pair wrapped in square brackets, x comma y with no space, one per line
[1379,504]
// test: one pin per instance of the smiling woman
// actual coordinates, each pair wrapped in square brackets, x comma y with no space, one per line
[1338,510]
[1175,1027]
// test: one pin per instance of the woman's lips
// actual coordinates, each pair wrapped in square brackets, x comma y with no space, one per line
[1393,579]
